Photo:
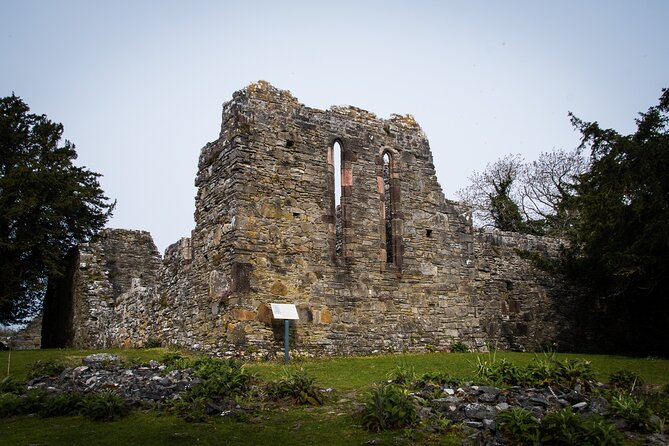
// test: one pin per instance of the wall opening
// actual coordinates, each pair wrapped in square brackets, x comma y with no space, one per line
[58,309]
[338,214]
[388,209]
[391,218]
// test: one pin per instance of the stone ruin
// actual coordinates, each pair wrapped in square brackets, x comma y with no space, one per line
[389,265]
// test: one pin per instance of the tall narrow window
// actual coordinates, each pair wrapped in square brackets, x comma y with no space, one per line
[388,208]
[391,217]
[339,227]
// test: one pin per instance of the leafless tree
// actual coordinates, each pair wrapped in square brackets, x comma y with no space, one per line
[512,194]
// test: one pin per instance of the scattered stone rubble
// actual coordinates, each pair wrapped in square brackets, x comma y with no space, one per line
[474,407]
[144,383]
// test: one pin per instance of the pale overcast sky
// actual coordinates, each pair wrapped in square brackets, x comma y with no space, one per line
[139,85]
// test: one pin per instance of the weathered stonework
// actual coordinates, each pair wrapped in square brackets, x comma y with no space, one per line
[405,271]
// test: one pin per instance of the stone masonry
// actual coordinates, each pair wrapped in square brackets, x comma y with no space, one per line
[392,266]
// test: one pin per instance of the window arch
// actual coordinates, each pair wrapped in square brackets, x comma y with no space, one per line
[388,209]
[391,218]
[340,182]
[339,229]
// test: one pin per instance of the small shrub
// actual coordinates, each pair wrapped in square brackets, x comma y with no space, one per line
[104,406]
[499,372]
[632,410]
[569,428]
[542,372]
[389,407]
[657,402]
[562,427]
[10,385]
[437,378]
[192,410]
[40,369]
[459,347]
[10,405]
[519,426]
[625,380]
[602,433]
[31,401]
[176,361]
[153,343]
[220,378]
[571,371]
[297,385]
[60,405]
[403,375]
[442,425]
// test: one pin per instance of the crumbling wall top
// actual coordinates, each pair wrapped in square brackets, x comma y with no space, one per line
[265,91]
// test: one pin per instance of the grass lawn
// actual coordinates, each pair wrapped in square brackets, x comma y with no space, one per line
[331,424]
[293,427]
[354,373]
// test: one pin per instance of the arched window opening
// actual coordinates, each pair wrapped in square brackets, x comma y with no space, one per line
[339,227]
[388,208]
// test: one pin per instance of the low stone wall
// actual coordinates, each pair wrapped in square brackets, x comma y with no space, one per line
[520,306]
[29,338]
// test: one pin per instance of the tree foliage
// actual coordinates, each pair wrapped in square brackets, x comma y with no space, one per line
[620,240]
[514,195]
[47,206]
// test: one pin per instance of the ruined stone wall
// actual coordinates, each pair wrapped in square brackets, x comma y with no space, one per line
[114,290]
[265,232]
[519,306]
[411,273]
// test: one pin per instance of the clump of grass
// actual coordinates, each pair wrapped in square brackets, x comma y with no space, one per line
[436,378]
[459,347]
[153,343]
[625,380]
[540,373]
[403,375]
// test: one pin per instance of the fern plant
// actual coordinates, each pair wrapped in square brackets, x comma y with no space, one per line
[104,406]
[295,384]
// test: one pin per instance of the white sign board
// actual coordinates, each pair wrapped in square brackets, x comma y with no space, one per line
[284,311]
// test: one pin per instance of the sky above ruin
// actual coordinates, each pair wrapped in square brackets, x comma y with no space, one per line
[139,85]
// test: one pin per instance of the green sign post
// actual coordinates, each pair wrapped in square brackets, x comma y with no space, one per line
[287,312]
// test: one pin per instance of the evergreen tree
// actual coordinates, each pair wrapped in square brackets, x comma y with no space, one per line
[620,239]
[47,206]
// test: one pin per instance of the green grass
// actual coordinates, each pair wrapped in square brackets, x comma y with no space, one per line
[332,423]
[18,363]
[294,427]
[355,373]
